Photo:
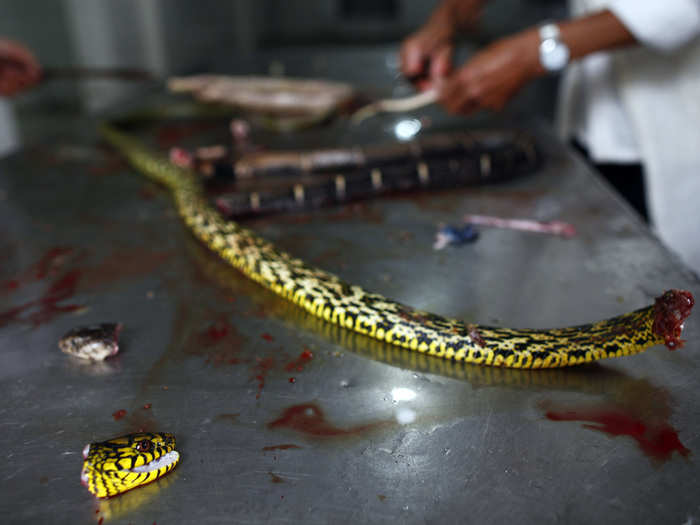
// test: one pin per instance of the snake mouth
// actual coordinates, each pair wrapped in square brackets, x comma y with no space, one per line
[164,461]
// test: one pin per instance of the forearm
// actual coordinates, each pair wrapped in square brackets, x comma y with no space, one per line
[597,32]
[601,31]
[452,16]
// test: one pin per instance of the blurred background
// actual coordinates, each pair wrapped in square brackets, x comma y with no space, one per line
[166,37]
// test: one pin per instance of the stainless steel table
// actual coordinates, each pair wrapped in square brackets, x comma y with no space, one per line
[359,431]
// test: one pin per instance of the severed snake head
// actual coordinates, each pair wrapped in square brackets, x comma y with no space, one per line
[124,463]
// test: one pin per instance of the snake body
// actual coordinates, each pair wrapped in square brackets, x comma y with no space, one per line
[330,298]
[124,463]
[323,177]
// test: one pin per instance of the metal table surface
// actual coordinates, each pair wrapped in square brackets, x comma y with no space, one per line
[365,432]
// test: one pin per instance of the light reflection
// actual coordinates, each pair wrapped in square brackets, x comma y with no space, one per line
[404,416]
[406,129]
[402,394]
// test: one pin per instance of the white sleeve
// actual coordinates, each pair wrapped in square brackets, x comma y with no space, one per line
[660,24]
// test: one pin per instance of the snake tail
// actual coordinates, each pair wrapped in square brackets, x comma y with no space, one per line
[328,297]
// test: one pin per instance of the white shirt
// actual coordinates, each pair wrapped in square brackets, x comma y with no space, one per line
[642,104]
[592,110]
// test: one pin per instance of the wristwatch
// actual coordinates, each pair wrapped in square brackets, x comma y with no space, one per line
[554,54]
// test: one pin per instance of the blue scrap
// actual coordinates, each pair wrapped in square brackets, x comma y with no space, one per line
[456,235]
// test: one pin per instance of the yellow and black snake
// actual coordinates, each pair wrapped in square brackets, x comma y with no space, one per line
[327,296]
[124,463]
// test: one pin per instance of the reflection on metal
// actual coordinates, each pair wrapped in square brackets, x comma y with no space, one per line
[405,416]
[407,129]
[591,379]
[123,505]
[402,394]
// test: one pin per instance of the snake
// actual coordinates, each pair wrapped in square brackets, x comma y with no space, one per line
[322,177]
[117,465]
[351,307]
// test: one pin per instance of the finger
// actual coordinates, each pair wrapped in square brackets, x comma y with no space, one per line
[441,63]
[412,59]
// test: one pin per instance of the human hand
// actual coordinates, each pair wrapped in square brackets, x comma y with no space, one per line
[493,76]
[426,56]
[19,69]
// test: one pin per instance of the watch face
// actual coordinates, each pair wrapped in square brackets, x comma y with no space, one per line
[554,55]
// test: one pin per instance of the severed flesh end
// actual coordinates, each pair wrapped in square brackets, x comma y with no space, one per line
[670,312]
[94,342]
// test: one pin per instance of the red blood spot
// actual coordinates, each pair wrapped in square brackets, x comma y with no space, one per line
[231,418]
[275,478]
[218,331]
[12,284]
[299,362]
[119,414]
[49,261]
[99,522]
[292,379]
[286,446]
[475,335]
[267,337]
[309,419]
[658,440]
[670,311]
[147,406]
[218,344]
[47,307]
[261,369]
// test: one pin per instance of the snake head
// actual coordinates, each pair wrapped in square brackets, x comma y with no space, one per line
[124,463]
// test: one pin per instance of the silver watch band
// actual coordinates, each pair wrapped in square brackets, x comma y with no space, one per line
[548,31]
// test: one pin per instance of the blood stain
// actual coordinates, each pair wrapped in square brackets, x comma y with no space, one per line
[309,419]
[292,379]
[218,331]
[299,362]
[267,337]
[124,265]
[657,440]
[46,306]
[261,369]
[119,414]
[275,478]
[231,418]
[285,446]
[147,406]
[99,522]
[219,343]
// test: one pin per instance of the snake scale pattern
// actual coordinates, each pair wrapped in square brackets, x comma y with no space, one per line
[124,463]
[328,297]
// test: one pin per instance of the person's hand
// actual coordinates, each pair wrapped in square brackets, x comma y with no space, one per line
[493,76]
[19,69]
[426,56]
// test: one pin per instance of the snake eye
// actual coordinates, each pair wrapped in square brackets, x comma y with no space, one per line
[144,445]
